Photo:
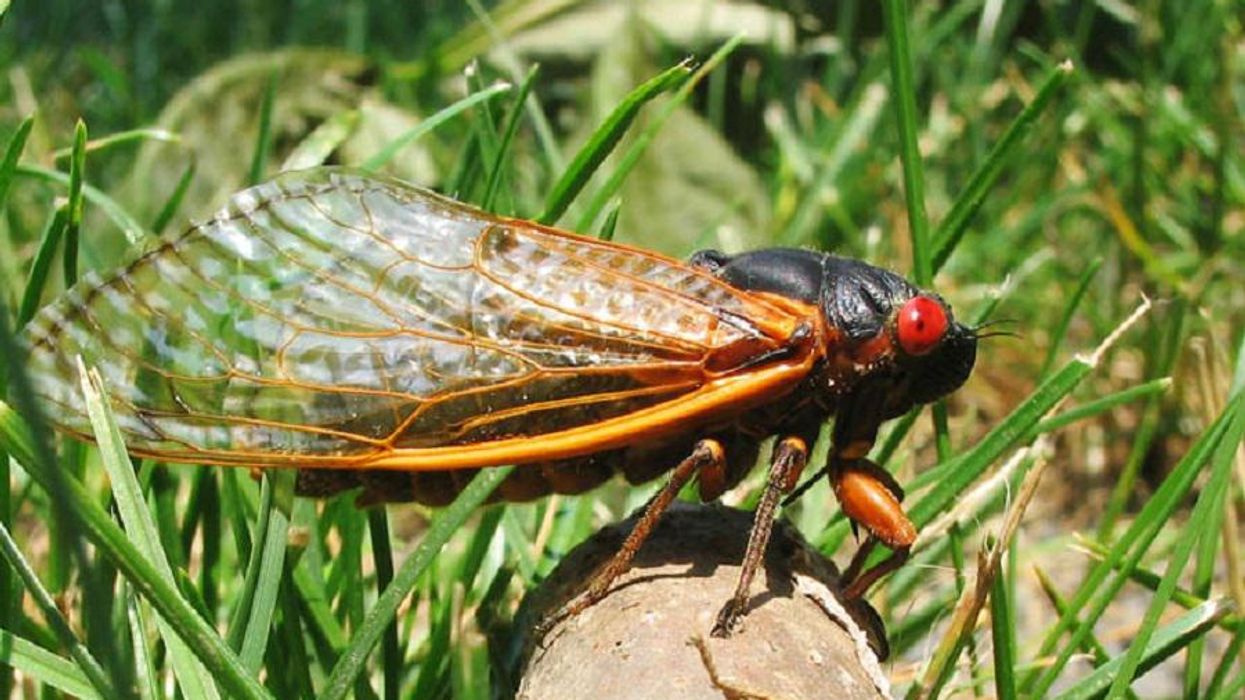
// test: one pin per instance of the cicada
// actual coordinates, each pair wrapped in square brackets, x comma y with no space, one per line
[377,336]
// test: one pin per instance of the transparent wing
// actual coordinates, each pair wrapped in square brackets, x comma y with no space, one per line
[327,317]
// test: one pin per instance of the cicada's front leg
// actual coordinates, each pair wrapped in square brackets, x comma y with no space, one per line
[869,496]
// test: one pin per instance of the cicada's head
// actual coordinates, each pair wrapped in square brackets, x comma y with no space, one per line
[895,339]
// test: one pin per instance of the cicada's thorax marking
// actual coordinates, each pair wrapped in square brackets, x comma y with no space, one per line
[852,339]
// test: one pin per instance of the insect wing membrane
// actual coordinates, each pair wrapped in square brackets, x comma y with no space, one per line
[328,317]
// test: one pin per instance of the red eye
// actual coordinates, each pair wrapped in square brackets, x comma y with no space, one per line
[922,323]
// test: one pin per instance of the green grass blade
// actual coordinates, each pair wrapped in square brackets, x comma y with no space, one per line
[314,150]
[44,666]
[270,567]
[134,232]
[1164,362]
[1002,631]
[1069,310]
[1232,690]
[1150,580]
[952,228]
[394,147]
[1168,640]
[119,138]
[484,128]
[637,149]
[319,613]
[1202,524]
[77,176]
[606,138]
[1215,689]
[444,525]
[263,140]
[1089,409]
[90,669]
[507,140]
[141,529]
[42,265]
[473,558]
[81,507]
[174,202]
[1095,592]
[1091,645]
[382,556]
[292,644]
[610,224]
[148,676]
[12,154]
[906,120]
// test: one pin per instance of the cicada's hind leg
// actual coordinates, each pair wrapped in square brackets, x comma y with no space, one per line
[708,455]
[870,496]
[790,457]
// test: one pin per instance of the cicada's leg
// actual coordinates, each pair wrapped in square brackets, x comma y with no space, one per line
[790,457]
[870,496]
[708,455]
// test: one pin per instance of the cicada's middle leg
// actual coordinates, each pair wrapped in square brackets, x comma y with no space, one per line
[788,462]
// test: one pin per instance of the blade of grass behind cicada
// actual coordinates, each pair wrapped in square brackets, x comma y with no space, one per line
[257,601]
[484,127]
[501,160]
[606,138]
[395,146]
[73,225]
[631,157]
[314,150]
[442,528]
[41,267]
[954,225]
[12,154]
[263,138]
[895,13]
[133,231]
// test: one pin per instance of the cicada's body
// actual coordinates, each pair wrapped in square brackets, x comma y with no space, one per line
[374,334]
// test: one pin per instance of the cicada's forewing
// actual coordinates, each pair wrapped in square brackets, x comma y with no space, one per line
[328,318]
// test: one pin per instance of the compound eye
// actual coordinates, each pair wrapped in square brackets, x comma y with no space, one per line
[921,326]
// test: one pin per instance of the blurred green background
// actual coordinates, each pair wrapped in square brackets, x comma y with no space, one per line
[1129,181]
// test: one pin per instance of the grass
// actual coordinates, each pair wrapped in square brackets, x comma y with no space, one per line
[997,149]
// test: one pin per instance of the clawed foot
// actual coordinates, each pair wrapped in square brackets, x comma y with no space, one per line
[868,620]
[595,594]
[729,618]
